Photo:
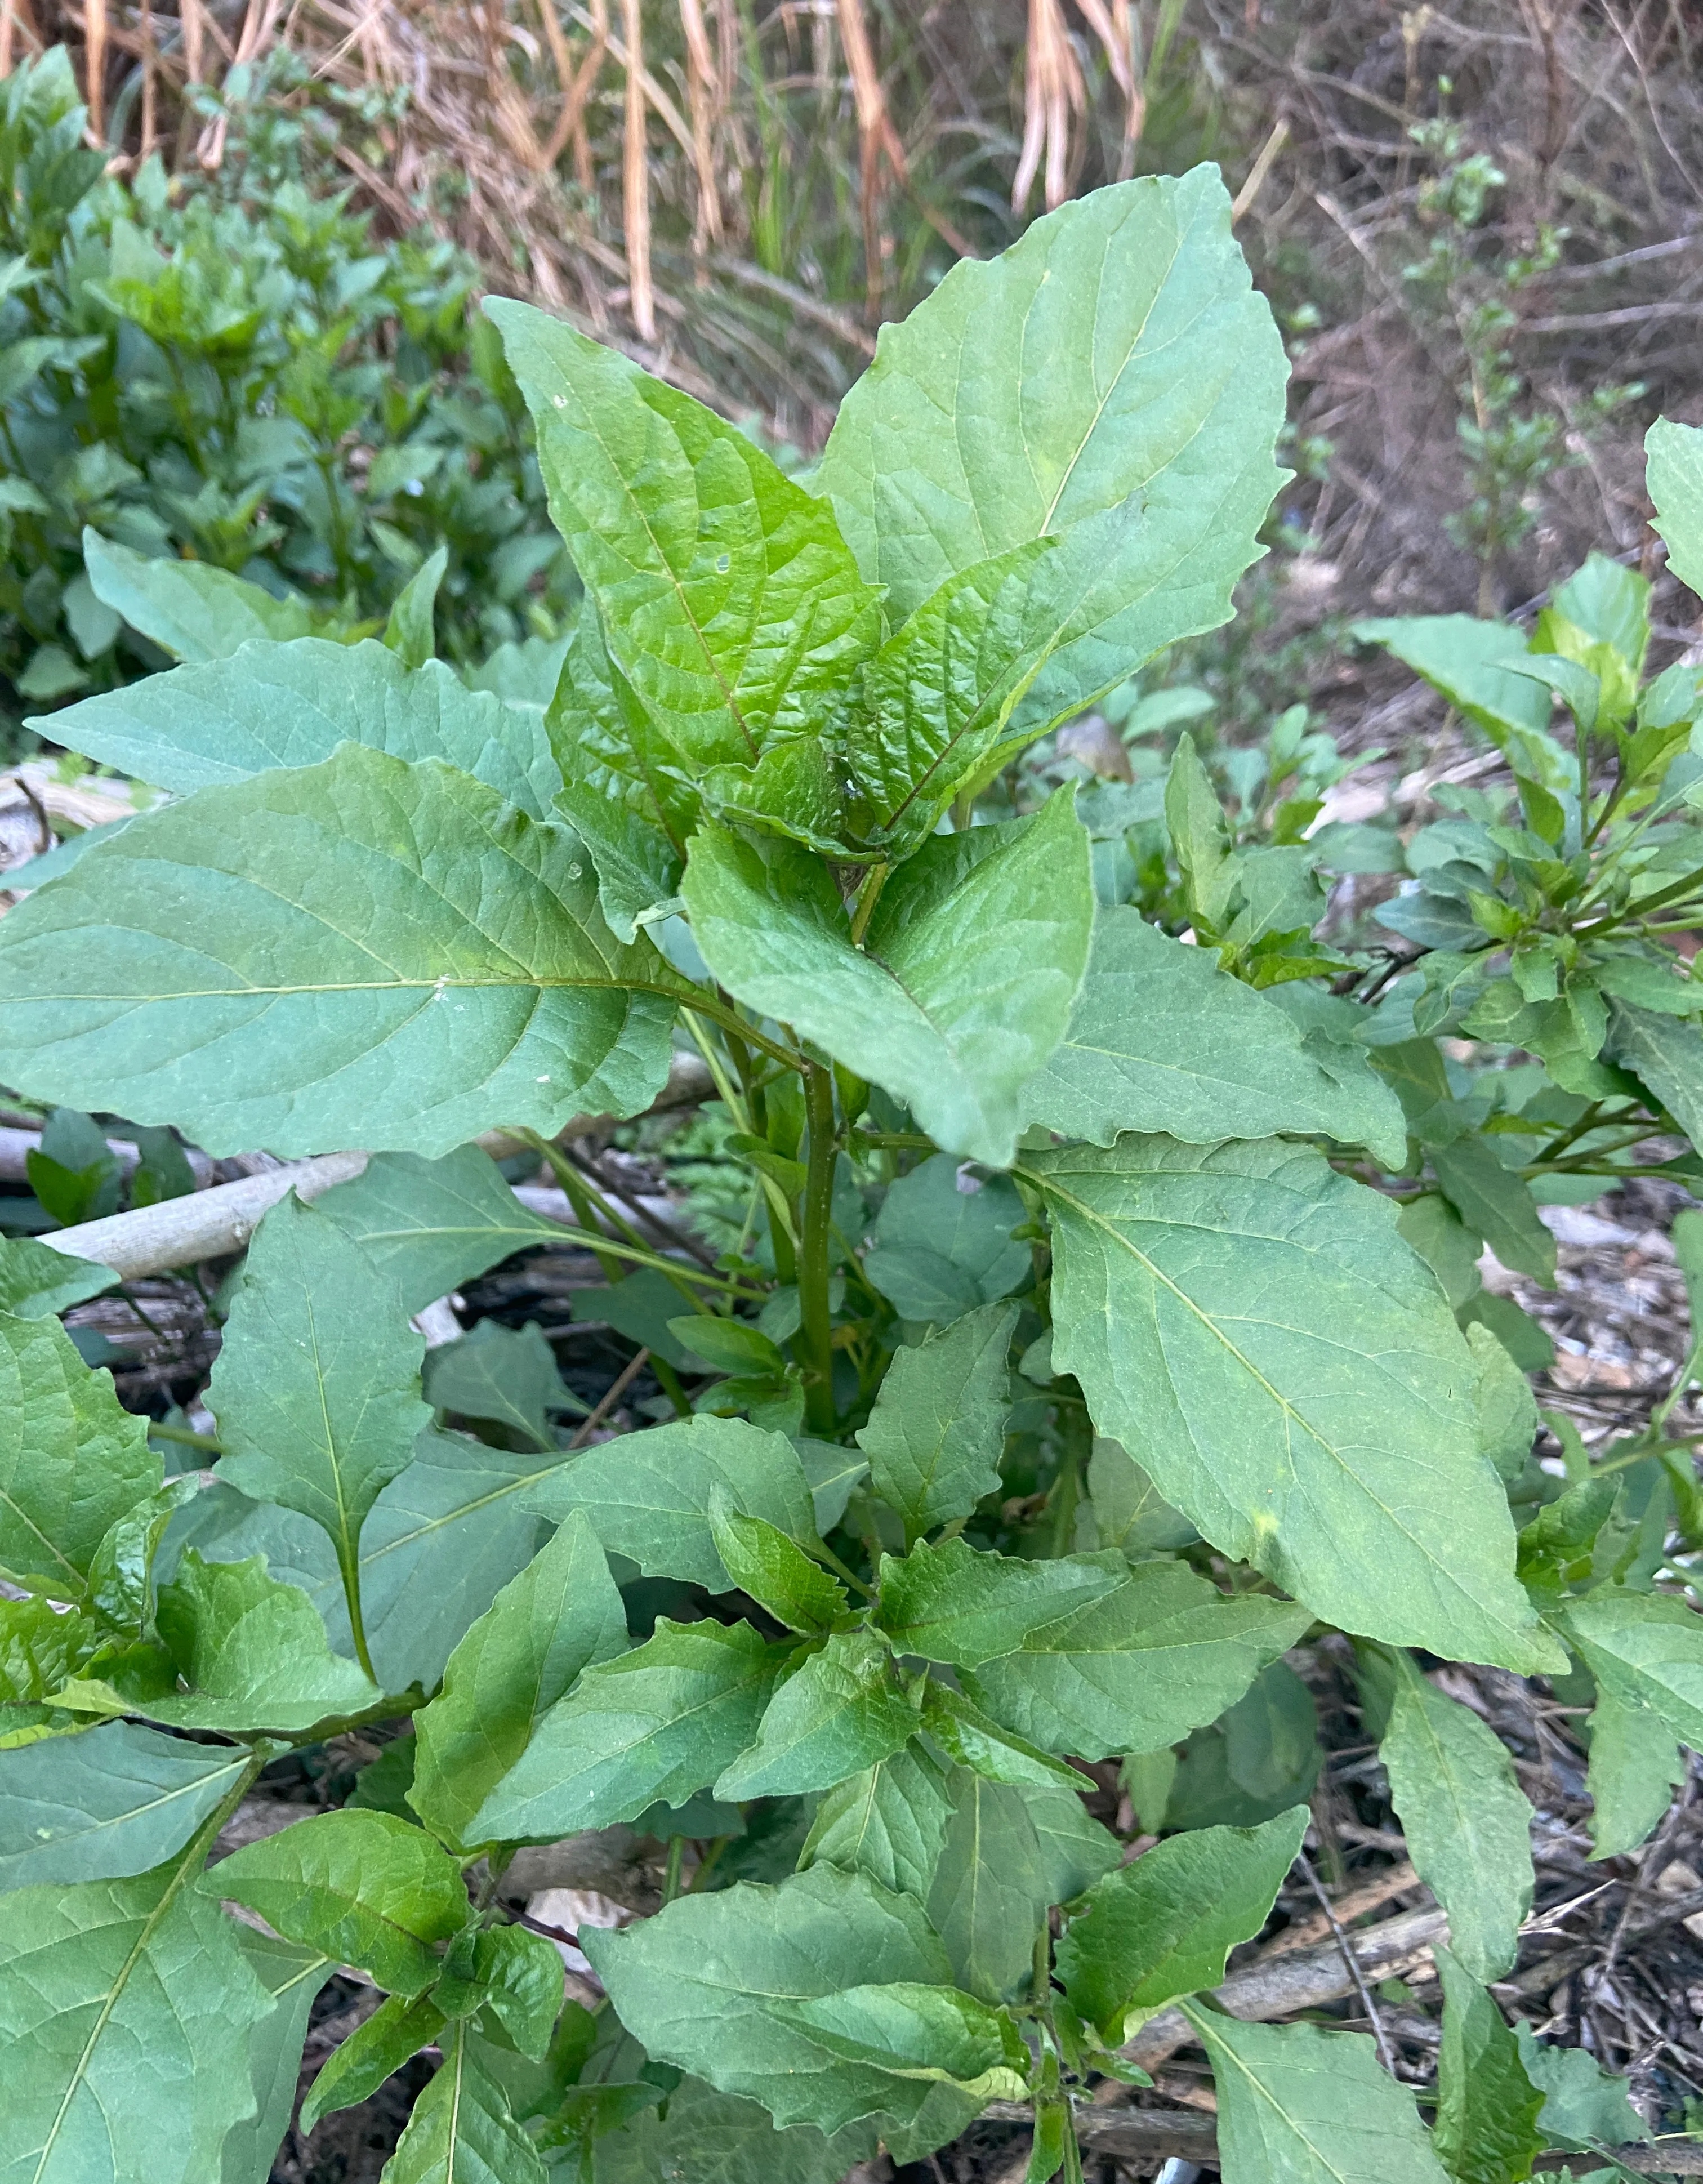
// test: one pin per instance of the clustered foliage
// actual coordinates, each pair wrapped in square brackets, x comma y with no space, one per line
[844,1622]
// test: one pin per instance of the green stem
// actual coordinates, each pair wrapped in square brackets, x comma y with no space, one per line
[210,1442]
[589,1203]
[867,896]
[817,1327]
[669,1381]
[824,1554]
[348,1563]
[671,1879]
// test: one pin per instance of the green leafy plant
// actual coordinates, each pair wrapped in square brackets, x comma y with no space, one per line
[853,1622]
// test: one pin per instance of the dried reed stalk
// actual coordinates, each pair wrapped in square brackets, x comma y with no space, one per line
[1053,90]
[1110,22]
[703,92]
[194,40]
[877,140]
[150,111]
[94,68]
[636,178]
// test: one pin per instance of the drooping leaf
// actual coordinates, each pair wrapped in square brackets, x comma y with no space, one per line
[430,1226]
[726,592]
[774,1569]
[1486,2107]
[1250,1326]
[294,1977]
[1138,1670]
[115,1801]
[505,1374]
[943,1241]
[648,1495]
[292,704]
[559,1614]
[1298,2105]
[966,1605]
[461,2130]
[37,1282]
[1497,1203]
[1645,1651]
[1161,1040]
[126,2009]
[1114,354]
[366,1888]
[888,1822]
[935,1434]
[72,1460]
[649,1726]
[965,979]
[1163,1926]
[1583,2104]
[316,1388]
[1466,1819]
[841,1713]
[378,2047]
[697,1985]
[316,956]
[1635,1768]
[1673,477]
[1476,666]
[191,610]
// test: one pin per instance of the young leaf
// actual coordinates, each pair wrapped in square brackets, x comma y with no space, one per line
[461,2130]
[648,1495]
[367,1889]
[943,1241]
[1249,1325]
[1161,1040]
[888,1822]
[506,1374]
[841,1713]
[411,632]
[292,704]
[286,959]
[316,1388]
[514,1974]
[698,1983]
[190,609]
[375,2050]
[726,591]
[1486,2107]
[1163,1654]
[117,1800]
[1116,350]
[934,1437]
[966,1605]
[125,2012]
[1583,2105]
[72,1460]
[561,1613]
[429,1226]
[910,2028]
[1297,2105]
[1163,1925]
[1466,1821]
[652,1725]
[1008,1854]
[964,981]
[774,1570]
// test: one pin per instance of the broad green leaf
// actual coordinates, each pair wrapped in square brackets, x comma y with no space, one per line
[293,1978]
[726,591]
[315,956]
[431,1225]
[190,609]
[715,2138]
[648,1495]
[1583,2104]
[1163,1926]
[934,1437]
[1252,1328]
[841,1713]
[292,704]
[1298,2105]
[461,2130]
[943,1241]
[966,1605]
[316,1388]
[1008,1854]
[126,2010]
[1115,354]
[1161,1040]
[1466,1821]
[699,1982]
[559,1614]
[72,1460]
[964,981]
[378,2047]
[1502,1399]
[972,1737]
[37,1282]
[1635,1768]
[775,1570]
[1673,477]
[649,1726]
[1475,666]
[888,1822]
[366,1888]
[117,1800]
[1667,1054]
[1498,1204]
[1487,2108]
[506,1374]
[1129,1512]
[910,2028]
[1645,1651]
[1163,1654]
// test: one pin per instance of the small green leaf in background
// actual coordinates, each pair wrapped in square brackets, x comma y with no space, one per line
[889,1822]
[1583,2104]
[1163,1926]
[410,633]
[367,1889]
[1466,1819]
[1487,2108]
[74,1170]
[558,1615]
[461,2130]
[1299,2105]
[943,1241]
[1645,1651]
[774,1570]
[935,1434]
[117,1800]
[505,1374]
[1554,1548]
[841,1713]
[1128,1511]
[189,609]
[252,1652]
[379,2046]
[1674,481]
[1498,1204]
